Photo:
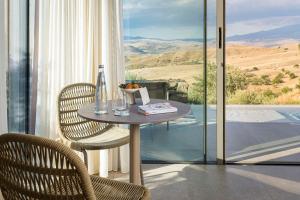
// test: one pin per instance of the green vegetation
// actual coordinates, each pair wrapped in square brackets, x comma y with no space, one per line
[298,85]
[263,80]
[253,97]
[290,74]
[240,88]
[133,77]
[286,90]
[196,93]
[278,79]
[236,80]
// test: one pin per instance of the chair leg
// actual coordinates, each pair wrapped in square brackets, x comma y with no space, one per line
[85,157]
[141,174]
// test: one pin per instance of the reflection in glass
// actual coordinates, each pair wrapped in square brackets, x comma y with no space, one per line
[164,52]
[18,69]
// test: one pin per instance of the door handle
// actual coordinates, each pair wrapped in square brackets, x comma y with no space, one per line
[220,38]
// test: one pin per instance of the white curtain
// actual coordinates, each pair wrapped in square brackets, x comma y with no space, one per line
[113,58]
[3,65]
[70,47]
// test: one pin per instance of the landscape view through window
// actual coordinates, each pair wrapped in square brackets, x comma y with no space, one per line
[164,41]
[164,50]
[263,81]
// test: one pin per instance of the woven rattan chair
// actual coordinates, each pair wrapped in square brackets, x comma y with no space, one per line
[82,134]
[32,167]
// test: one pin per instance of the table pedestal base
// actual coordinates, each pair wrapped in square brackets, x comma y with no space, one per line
[135,155]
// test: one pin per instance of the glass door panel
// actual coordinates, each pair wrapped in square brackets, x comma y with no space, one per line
[164,51]
[262,90]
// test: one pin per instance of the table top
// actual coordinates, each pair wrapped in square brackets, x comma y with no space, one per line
[87,112]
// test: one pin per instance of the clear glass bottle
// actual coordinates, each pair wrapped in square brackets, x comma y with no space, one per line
[101,103]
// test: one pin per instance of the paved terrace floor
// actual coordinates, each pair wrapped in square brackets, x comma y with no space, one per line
[211,182]
[253,134]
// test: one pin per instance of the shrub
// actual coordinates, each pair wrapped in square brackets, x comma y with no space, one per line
[298,85]
[253,97]
[296,66]
[263,80]
[286,89]
[266,79]
[236,79]
[256,81]
[292,75]
[278,78]
[133,77]
[243,97]
[254,69]
[196,92]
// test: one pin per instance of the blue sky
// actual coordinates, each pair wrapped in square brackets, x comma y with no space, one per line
[174,19]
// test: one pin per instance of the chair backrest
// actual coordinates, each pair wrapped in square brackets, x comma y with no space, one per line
[32,167]
[70,99]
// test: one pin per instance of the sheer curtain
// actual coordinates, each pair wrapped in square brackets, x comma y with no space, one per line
[3,65]
[113,58]
[70,47]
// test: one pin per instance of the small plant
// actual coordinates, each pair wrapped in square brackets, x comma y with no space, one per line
[278,78]
[269,94]
[256,81]
[266,79]
[254,68]
[286,89]
[133,77]
[298,85]
[292,75]
[286,49]
[296,66]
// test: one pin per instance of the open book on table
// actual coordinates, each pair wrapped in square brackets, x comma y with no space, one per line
[157,108]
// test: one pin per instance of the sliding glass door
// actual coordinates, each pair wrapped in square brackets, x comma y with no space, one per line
[18,80]
[164,50]
[262,89]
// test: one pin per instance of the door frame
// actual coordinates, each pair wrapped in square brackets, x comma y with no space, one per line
[220,59]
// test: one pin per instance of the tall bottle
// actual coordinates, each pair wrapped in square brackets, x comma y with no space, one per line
[101,104]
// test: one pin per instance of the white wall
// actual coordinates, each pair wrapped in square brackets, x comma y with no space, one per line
[3,66]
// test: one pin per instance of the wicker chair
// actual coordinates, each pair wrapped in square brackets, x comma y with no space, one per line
[82,134]
[32,167]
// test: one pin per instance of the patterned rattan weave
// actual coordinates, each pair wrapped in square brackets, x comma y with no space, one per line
[83,134]
[32,167]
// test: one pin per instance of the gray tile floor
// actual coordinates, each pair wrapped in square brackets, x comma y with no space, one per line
[211,182]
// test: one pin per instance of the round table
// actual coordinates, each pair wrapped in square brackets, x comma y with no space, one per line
[135,119]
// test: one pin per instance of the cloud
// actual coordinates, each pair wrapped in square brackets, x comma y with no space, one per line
[163,18]
[169,17]
[251,26]
[240,10]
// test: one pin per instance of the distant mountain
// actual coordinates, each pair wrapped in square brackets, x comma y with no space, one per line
[286,32]
[133,38]
[134,50]
[126,38]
